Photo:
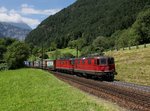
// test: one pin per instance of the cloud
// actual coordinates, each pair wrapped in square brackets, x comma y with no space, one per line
[32,22]
[26,9]
[19,16]
[3,10]
[13,16]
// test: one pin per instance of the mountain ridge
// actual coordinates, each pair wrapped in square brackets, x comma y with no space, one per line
[14,30]
[86,19]
[21,25]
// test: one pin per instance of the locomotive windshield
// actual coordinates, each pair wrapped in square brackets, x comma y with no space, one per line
[110,60]
[101,61]
[104,61]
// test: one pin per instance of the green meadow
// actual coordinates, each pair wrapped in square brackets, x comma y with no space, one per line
[37,90]
[63,51]
[133,65]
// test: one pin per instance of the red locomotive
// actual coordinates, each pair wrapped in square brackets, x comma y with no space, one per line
[64,65]
[103,67]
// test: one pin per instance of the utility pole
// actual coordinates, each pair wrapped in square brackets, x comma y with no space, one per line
[77,52]
[42,55]
[43,50]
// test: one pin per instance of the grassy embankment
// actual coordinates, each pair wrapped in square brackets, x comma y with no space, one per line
[133,65]
[36,90]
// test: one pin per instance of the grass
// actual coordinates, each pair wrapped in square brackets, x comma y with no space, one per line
[72,51]
[140,46]
[36,90]
[132,65]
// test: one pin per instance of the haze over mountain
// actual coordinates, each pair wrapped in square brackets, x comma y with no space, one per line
[21,25]
[14,30]
[86,20]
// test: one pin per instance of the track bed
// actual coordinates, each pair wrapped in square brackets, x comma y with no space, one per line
[130,96]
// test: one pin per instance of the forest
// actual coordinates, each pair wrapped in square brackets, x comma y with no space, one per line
[13,53]
[95,25]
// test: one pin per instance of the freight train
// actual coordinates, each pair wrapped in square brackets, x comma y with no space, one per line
[100,67]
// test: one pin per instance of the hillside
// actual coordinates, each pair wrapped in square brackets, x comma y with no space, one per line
[86,19]
[14,30]
[133,65]
[37,90]
[21,25]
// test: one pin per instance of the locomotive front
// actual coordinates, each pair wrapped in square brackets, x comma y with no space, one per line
[106,67]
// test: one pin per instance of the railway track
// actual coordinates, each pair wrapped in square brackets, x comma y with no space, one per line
[128,97]
[131,86]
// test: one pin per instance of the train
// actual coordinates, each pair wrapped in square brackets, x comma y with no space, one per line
[92,67]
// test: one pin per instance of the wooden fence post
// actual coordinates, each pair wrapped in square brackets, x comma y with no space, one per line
[144,45]
[123,48]
[129,47]
[137,47]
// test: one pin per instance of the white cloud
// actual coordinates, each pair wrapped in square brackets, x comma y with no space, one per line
[26,9]
[13,16]
[18,16]
[26,5]
[32,22]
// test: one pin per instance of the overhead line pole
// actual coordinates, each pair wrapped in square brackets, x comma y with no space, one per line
[77,52]
[42,55]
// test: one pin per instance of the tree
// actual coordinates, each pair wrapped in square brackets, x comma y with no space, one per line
[87,50]
[101,43]
[16,54]
[4,43]
[45,56]
[2,51]
[53,46]
[138,33]
[122,39]
[35,51]
[142,26]
[80,43]
[9,41]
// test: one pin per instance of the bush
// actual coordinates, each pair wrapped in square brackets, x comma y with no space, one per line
[3,66]
[16,54]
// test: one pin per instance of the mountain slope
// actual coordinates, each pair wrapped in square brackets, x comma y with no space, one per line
[21,25]
[1,35]
[14,30]
[87,19]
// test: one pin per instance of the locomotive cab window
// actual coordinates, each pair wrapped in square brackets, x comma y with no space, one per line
[97,62]
[103,61]
[111,61]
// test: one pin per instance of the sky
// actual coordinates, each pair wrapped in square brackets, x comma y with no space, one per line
[31,12]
